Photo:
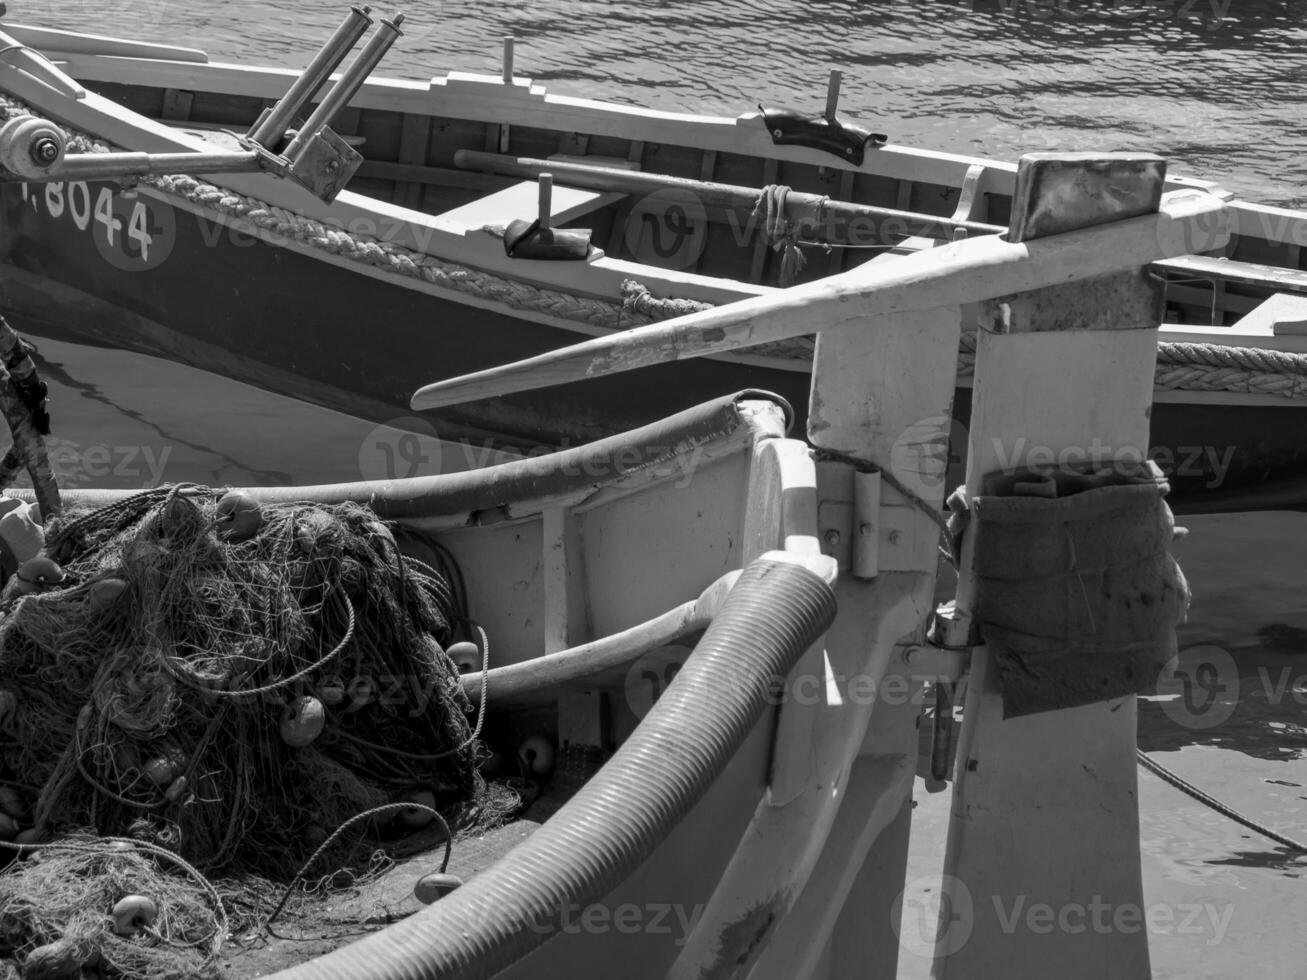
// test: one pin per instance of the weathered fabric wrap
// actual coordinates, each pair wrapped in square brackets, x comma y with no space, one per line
[1077,595]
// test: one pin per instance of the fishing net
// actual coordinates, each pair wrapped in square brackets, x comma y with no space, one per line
[230,682]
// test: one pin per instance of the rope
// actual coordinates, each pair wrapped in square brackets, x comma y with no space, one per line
[1192,367]
[157,851]
[1159,770]
[435,756]
[375,811]
[282,224]
[930,510]
[1204,367]
[778,231]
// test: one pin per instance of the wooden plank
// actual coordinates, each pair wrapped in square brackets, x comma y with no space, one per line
[1045,808]
[617,237]
[521,201]
[960,272]
[177,104]
[836,261]
[414,138]
[1274,277]
[761,249]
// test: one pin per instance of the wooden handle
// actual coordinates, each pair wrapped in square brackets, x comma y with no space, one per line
[508,60]
[833,94]
[950,275]
[813,216]
[546,203]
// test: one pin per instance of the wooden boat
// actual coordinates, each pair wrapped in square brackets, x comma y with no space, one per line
[405,278]
[734,832]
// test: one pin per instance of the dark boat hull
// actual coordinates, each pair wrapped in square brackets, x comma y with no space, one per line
[285,320]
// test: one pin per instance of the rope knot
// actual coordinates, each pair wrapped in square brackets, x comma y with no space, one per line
[778,231]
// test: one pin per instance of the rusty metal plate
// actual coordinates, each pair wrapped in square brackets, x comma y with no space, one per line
[1060,192]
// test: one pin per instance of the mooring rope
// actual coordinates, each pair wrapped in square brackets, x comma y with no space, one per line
[1165,774]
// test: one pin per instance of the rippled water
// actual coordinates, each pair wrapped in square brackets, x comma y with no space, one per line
[1219,86]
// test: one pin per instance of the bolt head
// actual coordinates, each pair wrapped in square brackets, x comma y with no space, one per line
[45,150]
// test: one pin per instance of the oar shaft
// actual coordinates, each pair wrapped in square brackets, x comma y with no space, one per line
[813,216]
[950,275]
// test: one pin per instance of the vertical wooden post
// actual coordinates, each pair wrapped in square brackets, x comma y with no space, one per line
[832,793]
[1042,867]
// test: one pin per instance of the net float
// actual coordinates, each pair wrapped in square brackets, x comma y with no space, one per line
[165,767]
[536,754]
[39,574]
[59,960]
[12,803]
[238,517]
[432,887]
[104,594]
[466,656]
[176,789]
[413,818]
[133,913]
[302,721]
[331,690]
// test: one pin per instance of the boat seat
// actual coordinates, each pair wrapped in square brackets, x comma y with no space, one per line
[522,200]
[1210,266]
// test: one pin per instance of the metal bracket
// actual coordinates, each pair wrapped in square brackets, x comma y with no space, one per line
[860,528]
[325,164]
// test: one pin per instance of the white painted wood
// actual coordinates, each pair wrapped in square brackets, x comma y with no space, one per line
[519,202]
[862,406]
[1282,315]
[1044,808]
[959,272]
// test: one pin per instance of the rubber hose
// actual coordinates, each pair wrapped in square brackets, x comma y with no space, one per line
[774,613]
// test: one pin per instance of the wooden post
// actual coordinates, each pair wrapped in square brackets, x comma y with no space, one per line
[1042,869]
[832,790]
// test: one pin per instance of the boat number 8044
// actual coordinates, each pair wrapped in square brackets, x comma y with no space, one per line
[92,209]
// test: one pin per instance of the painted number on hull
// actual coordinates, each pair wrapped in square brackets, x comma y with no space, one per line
[92,210]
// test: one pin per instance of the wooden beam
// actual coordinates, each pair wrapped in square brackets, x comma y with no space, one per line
[960,272]
[1045,813]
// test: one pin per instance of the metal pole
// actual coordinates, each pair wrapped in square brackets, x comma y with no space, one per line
[273,128]
[351,81]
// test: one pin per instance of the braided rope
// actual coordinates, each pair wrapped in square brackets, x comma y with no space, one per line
[637,307]
[1205,367]
[1190,367]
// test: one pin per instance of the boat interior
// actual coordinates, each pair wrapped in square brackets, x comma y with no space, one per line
[451,149]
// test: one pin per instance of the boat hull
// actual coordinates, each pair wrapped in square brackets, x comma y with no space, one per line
[344,336]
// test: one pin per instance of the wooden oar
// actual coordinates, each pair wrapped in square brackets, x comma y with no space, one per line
[953,274]
[813,217]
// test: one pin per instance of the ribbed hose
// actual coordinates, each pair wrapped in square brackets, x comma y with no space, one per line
[774,613]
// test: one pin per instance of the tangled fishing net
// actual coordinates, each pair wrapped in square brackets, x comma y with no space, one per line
[225,684]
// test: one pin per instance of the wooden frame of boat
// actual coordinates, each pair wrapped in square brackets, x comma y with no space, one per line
[784,827]
[412,195]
